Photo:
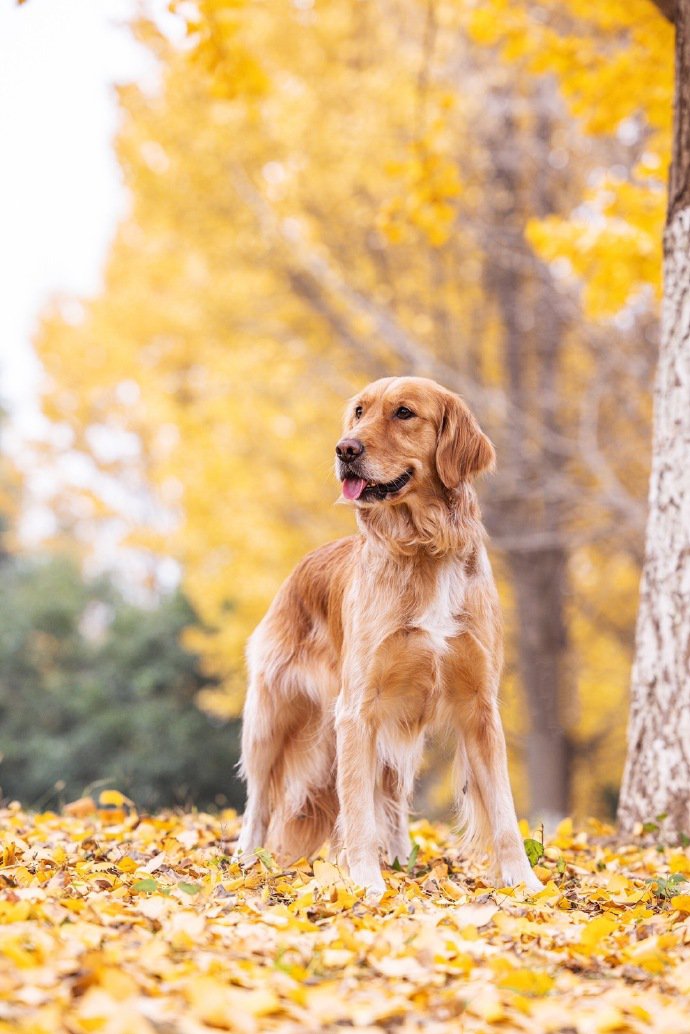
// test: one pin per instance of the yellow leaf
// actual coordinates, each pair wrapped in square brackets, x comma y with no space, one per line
[451,890]
[526,981]
[487,1006]
[326,874]
[473,914]
[336,958]
[564,834]
[116,983]
[227,1007]
[14,911]
[113,798]
[60,855]
[127,864]
[609,1018]
[597,931]
[9,854]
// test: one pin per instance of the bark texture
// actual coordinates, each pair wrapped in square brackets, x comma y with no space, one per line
[657,773]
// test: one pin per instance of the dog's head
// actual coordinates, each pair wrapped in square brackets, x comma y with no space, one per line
[407,436]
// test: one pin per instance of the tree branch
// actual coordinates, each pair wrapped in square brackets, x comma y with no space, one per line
[667,8]
[413,355]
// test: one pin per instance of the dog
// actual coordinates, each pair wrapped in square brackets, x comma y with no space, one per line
[375,640]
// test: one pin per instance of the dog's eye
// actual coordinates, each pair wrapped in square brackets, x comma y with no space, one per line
[358,412]
[403,413]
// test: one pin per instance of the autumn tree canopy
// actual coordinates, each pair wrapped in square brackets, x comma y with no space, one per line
[320,196]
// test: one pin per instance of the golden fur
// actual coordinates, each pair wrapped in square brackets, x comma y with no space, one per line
[374,640]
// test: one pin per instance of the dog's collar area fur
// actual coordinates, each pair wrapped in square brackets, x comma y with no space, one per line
[444,524]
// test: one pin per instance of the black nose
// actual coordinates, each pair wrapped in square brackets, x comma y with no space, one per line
[349,449]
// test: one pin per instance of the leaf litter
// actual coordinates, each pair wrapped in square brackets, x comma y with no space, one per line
[122,923]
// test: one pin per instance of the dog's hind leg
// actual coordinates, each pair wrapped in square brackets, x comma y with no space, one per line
[306,802]
[393,817]
[301,835]
[400,753]
[288,741]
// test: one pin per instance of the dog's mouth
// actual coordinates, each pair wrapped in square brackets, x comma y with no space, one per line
[355,487]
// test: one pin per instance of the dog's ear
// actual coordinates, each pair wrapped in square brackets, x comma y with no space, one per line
[462,448]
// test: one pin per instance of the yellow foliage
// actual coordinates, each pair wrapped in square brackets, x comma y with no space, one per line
[306,178]
[11,483]
[614,64]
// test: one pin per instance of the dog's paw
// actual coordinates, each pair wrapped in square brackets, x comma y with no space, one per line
[371,880]
[374,893]
[512,875]
[244,858]
[243,855]
[372,898]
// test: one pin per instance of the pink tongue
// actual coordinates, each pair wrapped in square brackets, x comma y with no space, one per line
[353,487]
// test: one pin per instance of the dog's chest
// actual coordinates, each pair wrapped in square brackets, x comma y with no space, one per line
[440,614]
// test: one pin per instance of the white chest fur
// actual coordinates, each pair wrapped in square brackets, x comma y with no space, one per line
[441,617]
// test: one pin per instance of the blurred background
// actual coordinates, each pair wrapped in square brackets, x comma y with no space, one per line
[218,219]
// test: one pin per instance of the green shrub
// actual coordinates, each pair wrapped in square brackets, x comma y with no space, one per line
[94,688]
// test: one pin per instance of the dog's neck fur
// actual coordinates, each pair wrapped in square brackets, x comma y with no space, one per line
[436,525]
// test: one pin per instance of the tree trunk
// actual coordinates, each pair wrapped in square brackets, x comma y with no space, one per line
[657,772]
[539,586]
[523,287]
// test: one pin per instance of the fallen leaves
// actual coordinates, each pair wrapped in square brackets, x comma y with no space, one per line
[146,926]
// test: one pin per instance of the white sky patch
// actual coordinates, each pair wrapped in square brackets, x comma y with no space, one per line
[61,193]
[61,197]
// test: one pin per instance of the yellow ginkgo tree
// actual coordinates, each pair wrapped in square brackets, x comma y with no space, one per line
[320,196]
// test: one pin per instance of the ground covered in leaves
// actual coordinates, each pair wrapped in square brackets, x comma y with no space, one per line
[132,924]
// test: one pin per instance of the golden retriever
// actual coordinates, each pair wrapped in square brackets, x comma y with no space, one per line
[377,638]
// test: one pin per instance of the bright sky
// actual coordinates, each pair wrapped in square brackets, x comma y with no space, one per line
[61,196]
[60,189]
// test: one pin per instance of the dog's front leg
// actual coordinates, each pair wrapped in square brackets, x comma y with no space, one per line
[356,760]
